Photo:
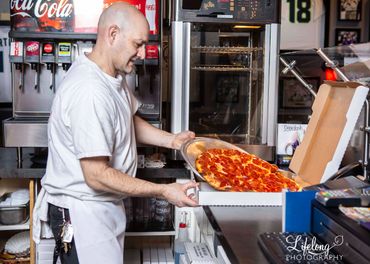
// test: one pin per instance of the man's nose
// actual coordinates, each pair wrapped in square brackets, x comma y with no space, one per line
[141,52]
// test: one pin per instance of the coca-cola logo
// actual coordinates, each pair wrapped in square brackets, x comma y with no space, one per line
[48,48]
[34,46]
[41,8]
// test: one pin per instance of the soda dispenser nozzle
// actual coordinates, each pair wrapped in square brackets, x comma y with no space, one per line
[66,66]
[36,68]
[33,57]
[48,59]
[51,68]
[20,67]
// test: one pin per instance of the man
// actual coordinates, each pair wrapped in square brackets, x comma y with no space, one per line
[92,134]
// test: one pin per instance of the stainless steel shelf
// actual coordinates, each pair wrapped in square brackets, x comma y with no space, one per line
[225,50]
[25,226]
[225,68]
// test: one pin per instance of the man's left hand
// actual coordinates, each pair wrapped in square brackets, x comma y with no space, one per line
[180,138]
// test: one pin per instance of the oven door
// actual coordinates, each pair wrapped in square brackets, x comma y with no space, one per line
[226,83]
[222,82]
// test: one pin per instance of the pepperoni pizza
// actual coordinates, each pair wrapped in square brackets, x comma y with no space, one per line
[233,170]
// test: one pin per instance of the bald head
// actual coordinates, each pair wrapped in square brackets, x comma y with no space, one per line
[122,33]
[123,15]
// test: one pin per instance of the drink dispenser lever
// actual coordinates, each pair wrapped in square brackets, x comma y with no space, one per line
[51,68]
[152,56]
[48,58]
[33,57]
[136,82]
[36,68]
[16,57]
[20,67]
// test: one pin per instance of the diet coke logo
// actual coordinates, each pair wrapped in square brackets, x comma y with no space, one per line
[41,8]
[32,47]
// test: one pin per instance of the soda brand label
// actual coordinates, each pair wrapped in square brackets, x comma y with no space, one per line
[32,48]
[151,52]
[48,49]
[16,49]
[64,49]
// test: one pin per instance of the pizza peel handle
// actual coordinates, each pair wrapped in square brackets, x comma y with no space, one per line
[192,148]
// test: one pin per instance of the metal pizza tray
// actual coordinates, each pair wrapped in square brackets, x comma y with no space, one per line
[191,149]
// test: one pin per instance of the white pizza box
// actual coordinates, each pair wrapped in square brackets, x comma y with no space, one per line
[336,109]
[335,112]
[211,197]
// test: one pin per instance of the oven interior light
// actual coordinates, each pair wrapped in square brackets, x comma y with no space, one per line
[246,26]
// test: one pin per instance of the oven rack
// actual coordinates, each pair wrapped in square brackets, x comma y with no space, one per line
[225,50]
[225,68]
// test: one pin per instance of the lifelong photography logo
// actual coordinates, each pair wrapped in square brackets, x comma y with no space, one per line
[303,248]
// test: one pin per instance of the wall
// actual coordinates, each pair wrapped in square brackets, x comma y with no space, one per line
[334,23]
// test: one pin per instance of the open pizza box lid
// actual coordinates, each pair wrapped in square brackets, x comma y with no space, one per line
[335,112]
[336,109]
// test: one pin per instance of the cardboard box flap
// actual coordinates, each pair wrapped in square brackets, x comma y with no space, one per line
[335,111]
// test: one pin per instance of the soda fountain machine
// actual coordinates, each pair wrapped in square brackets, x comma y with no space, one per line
[224,69]
[46,37]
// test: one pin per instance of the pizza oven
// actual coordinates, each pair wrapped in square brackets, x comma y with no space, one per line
[224,71]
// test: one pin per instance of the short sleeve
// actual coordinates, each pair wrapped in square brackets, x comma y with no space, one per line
[92,124]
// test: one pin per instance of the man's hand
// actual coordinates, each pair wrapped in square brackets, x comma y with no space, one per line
[148,134]
[175,193]
[180,138]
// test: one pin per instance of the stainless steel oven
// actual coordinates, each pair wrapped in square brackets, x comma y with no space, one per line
[225,71]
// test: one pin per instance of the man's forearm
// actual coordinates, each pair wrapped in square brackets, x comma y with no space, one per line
[101,177]
[115,181]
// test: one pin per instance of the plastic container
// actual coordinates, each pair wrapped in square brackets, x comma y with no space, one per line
[163,214]
[179,245]
[13,214]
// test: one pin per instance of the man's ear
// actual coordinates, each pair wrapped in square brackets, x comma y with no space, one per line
[113,31]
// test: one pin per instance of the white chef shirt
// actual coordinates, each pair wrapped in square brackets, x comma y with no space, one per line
[92,115]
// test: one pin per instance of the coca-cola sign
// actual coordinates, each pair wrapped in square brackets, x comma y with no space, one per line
[41,8]
[80,16]
[42,15]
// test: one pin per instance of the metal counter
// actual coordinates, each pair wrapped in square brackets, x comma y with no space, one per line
[237,230]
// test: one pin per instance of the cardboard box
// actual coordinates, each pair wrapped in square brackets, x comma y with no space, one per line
[335,113]
[336,109]
[198,253]
[209,196]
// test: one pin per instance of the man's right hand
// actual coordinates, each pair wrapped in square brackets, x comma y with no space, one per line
[175,193]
